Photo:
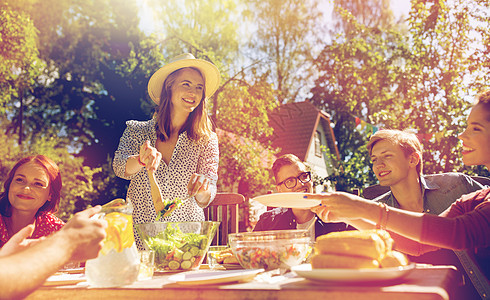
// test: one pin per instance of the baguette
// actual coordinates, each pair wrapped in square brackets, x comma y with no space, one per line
[373,244]
[333,261]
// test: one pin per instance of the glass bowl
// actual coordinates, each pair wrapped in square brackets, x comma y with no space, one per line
[271,249]
[178,245]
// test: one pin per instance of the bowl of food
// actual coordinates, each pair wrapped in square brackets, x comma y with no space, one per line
[178,245]
[270,249]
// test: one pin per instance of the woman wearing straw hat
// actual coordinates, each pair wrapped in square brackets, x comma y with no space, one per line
[177,144]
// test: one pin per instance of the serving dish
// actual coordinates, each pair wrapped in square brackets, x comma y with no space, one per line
[178,245]
[270,249]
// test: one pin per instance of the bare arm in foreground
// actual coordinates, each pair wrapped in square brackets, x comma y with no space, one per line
[23,272]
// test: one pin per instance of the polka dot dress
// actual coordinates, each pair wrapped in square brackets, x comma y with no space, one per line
[46,223]
[188,158]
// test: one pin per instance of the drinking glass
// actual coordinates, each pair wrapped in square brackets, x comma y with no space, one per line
[147,264]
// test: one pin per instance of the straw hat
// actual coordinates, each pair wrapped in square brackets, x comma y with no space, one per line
[208,70]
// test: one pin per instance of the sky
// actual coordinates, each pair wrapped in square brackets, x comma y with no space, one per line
[149,25]
[400,7]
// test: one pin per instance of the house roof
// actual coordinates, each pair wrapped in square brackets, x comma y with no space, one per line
[294,127]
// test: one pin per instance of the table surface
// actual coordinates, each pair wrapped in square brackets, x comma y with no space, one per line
[422,283]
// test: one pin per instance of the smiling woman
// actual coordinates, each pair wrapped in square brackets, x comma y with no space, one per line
[476,137]
[177,146]
[31,195]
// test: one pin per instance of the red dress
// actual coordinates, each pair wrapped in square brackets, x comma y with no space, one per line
[46,223]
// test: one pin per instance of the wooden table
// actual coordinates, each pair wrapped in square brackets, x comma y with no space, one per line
[426,283]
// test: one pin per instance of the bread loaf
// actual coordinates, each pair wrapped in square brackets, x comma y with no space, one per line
[356,250]
[385,236]
[394,259]
[334,261]
[374,244]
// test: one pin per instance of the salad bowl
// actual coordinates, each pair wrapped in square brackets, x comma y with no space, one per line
[178,245]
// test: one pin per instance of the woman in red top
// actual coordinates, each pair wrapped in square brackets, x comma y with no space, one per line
[31,195]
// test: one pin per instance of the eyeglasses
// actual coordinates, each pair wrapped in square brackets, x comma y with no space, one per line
[291,182]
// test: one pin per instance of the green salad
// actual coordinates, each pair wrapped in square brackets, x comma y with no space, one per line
[175,250]
[168,207]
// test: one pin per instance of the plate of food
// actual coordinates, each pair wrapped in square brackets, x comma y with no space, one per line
[355,256]
[352,275]
[214,277]
[288,200]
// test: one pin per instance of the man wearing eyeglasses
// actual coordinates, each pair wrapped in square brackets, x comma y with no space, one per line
[292,175]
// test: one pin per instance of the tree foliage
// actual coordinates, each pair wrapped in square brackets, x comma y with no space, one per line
[73,71]
[78,179]
[413,80]
[284,39]
[97,67]
[206,27]
[20,63]
[370,13]
[240,106]
[245,154]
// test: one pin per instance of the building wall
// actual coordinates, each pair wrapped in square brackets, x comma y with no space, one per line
[320,164]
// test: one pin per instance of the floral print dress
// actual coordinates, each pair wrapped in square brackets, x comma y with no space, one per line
[189,157]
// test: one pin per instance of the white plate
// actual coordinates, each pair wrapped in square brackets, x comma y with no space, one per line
[214,277]
[288,200]
[65,279]
[352,275]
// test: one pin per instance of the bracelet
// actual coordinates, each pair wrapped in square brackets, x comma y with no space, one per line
[383,216]
[386,218]
[378,224]
[140,162]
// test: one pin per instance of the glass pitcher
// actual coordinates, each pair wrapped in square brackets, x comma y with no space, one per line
[118,261]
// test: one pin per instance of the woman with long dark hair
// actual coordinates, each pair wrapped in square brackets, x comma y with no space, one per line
[31,195]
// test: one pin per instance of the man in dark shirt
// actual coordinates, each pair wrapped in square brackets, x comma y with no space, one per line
[292,175]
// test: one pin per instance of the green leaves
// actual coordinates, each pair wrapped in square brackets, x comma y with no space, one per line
[284,41]
[416,80]
[20,64]
[75,71]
